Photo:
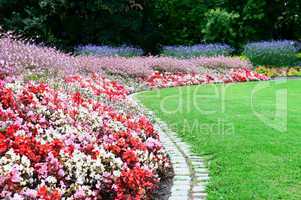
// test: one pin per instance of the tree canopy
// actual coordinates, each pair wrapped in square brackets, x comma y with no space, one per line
[151,23]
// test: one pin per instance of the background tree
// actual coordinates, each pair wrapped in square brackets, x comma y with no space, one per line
[151,23]
[220,26]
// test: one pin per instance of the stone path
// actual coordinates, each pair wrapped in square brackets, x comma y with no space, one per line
[191,175]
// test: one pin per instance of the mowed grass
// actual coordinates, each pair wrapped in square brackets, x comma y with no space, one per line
[250,134]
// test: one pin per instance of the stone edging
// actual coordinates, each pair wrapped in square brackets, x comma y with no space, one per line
[191,174]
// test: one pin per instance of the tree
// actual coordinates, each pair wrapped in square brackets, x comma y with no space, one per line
[71,22]
[220,26]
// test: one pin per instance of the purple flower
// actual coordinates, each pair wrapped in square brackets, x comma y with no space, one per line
[198,50]
[275,53]
[109,50]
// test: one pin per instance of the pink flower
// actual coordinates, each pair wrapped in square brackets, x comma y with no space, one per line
[152,143]
[17,197]
[15,174]
[42,169]
[30,193]
[80,193]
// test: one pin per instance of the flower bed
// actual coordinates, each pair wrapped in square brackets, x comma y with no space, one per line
[64,143]
[272,53]
[163,80]
[109,50]
[26,56]
[279,71]
[197,50]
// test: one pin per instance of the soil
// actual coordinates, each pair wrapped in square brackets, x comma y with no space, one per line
[164,190]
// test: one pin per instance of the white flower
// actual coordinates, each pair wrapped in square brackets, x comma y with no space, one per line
[51,179]
[116,173]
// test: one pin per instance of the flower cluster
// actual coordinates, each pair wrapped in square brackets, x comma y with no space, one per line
[198,50]
[174,51]
[145,66]
[109,50]
[272,53]
[24,55]
[63,141]
[28,56]
[166,79]
[279,71]
[95,85]
[6,69]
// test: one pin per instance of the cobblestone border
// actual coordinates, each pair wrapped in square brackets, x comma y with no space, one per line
[191,174]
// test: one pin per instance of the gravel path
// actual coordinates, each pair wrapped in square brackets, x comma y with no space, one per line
[190,173]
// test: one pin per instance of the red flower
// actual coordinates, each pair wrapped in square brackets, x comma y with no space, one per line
[42,192]
[135,183]
[56,146]
[11,130]
[70,150]
[89,149]
[77,98]
[34,150]
[26,98]
[39,89]
[3,144]
[146,125]
[55,195]
[130,157]
[7,98]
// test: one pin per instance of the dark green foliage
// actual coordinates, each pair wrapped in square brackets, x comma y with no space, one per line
[68,22]
[220,26]
[180,21]
[272,53]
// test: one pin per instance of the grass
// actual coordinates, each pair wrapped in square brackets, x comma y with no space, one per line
[252,153]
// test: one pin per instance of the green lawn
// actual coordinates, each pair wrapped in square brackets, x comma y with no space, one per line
[253,153]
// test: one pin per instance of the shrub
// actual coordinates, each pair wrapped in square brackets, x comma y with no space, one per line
[220,26]
[272,53]
[294,71]
[197,50]
[124,50]
[279,72]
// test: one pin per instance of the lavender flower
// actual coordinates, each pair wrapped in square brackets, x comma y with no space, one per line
[275,53]
[221,62]
[17,56]
[24,55]
[127,51]
[198,50]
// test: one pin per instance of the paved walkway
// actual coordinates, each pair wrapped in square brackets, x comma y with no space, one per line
[191,175]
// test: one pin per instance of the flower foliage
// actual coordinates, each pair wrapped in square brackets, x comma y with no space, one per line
[279,71]
[272,53]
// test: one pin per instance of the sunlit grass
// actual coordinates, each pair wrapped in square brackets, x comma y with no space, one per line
[241,129]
